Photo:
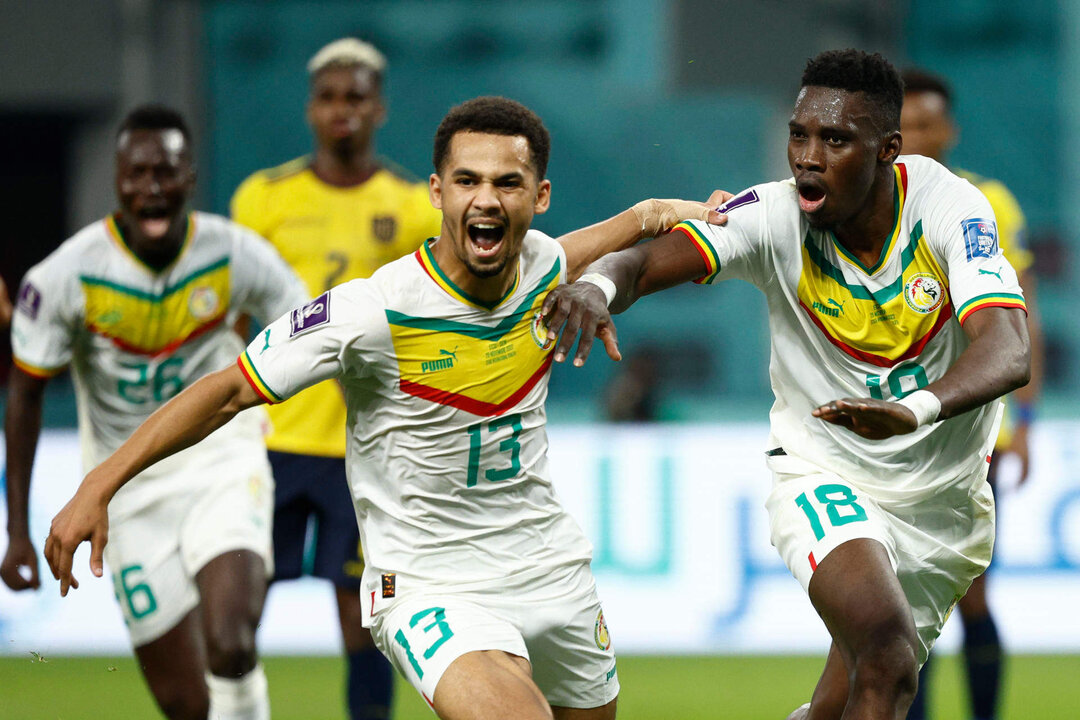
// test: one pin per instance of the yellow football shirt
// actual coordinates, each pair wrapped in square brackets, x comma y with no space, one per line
[1012,229]
[329,235]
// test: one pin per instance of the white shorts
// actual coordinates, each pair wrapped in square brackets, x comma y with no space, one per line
[555,623]
[155,554]
[936,547]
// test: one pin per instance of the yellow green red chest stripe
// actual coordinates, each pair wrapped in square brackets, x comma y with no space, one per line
[153,323]
[482,369]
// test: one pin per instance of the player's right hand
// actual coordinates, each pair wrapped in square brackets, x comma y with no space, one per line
[85,517]
[20,554]
[579,308]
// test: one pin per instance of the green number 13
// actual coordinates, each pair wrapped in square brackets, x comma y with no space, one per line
[510,445]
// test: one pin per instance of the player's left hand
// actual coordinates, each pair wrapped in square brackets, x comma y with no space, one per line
[579,308]
[872,419]
[85,517]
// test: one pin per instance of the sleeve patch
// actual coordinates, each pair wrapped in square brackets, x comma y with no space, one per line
[29,301]
[980,238]
[747,198]
[315,313]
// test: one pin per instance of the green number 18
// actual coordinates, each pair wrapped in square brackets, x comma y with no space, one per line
[826,495]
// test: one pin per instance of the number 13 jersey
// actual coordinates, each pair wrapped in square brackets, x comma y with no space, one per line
[447,447]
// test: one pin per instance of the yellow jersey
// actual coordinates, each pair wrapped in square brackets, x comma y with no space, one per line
[1012,232]
[330,235]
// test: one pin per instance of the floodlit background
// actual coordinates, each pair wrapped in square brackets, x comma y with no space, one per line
[663,98]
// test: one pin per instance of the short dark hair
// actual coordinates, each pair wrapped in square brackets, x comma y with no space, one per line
[918,80]
[857,71]
[497,116]
[154,117]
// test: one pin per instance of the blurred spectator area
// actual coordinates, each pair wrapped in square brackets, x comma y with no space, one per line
[643,98]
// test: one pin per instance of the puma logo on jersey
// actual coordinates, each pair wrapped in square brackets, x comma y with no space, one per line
[444,363]
[830,311]
[839,305]
[995,274]
[266,338]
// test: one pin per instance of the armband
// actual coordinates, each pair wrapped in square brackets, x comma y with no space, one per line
[924,404]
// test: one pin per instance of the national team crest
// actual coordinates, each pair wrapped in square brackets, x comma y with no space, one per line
[203,303]
[602,637]
[980,238]
[540,332]
[383,228]
[923,293]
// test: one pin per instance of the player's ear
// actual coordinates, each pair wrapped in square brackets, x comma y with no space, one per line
[889,149]
[435,191]
[543,197]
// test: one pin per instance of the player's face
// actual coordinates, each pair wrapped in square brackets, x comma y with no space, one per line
[345,107]
[488,193]
[834,150]
[154,178]
[926,125]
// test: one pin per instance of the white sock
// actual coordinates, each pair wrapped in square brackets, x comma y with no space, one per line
[243,698]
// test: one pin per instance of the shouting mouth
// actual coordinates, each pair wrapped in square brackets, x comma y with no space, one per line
[486,237]
[154,221]
[811,197]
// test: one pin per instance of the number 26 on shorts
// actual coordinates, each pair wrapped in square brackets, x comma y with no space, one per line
[840,507]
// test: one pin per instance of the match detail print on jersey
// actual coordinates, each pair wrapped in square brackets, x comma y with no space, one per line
[157,322]
[484,370]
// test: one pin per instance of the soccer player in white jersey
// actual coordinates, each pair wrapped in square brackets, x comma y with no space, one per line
[140,305]
[895,323]
[477,583]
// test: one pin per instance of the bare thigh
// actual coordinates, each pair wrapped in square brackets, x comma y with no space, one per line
[489,685]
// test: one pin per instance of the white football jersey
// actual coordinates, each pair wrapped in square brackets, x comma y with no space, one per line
[447,447]
[135,337]
[840,329]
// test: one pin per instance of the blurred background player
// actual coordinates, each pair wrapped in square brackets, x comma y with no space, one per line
[140,305]
[5,306]
[335,215]
[928,128]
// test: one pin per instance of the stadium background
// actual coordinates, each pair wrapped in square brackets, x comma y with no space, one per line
[643,98]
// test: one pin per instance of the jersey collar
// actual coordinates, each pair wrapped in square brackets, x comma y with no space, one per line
[426,258]
[117,236]
[899,196]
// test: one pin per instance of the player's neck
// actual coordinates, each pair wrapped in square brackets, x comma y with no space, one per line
[154,253]
[488,290]
[865,234]
[344,168]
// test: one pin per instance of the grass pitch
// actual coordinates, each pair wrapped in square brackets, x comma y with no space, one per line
[653,688]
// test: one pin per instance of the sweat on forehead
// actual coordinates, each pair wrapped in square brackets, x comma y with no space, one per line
[172,140]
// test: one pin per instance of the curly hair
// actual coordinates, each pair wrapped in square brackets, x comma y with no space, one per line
[916,81]
[496,116]
[857,71]
[154,117]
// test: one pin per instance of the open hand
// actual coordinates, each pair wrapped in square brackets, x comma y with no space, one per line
[85,517]
[579,308]
[872,419]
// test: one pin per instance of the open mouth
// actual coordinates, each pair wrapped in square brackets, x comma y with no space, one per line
[154,222]
[486,237]
[811,197]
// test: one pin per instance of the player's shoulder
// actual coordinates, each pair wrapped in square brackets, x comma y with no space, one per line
[82,251]
[931,187]
[269,179]
[540,252]
[211,228]
[995,190]
[398,175]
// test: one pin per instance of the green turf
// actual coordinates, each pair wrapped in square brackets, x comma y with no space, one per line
[653,688]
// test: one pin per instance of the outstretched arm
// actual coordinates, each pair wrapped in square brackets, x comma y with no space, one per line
[997,361]
[583,308]
[179,424]
[648,218]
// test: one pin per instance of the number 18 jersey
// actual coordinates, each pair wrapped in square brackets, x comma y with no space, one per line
[842,329]
[447,447]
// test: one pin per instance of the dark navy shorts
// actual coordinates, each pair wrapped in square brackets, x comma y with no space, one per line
[315,529]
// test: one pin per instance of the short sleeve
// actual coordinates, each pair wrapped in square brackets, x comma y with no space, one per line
[43,324]
[732,250]
[963,231]
[264,284]
[1012,226]
[247,206]
[313,342]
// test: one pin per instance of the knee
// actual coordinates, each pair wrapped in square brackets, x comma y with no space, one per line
[230,648]
[888,662]
[179,703]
